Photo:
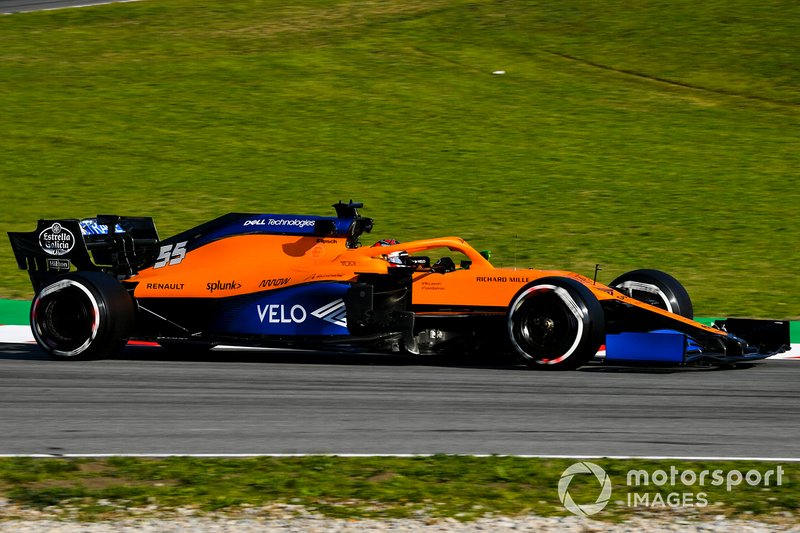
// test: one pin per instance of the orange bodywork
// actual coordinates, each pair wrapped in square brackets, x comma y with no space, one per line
[305,281]
[262,262]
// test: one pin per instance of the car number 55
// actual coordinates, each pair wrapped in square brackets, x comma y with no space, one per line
[171,254]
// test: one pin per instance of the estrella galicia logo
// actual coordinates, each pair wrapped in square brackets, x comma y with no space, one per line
[56,240]
[589,509]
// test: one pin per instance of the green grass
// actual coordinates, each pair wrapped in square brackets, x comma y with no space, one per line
[631,134]
[440,486]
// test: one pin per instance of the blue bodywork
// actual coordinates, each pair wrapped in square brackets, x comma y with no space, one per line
[90,226]
[300,225]
[652,347]
[313,309]
[672,347]
[233,224]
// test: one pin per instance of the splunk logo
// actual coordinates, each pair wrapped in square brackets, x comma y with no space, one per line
[212,286]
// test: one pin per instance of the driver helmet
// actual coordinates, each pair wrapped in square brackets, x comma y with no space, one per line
[386,242]
[395,258]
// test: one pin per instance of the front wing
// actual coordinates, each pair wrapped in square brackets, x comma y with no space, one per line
[746,340]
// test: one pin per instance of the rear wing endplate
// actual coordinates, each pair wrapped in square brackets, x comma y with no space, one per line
[120,245]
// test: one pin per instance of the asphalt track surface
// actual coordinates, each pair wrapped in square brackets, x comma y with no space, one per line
[148,401]
[23,6]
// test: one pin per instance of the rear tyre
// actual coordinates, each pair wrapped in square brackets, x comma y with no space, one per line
[84,315]
[656,288]
[556,323]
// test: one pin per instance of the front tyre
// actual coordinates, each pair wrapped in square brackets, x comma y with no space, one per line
[656,288]
[556,323]
[83,315]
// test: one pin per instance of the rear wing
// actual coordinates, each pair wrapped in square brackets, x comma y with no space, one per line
[114,244]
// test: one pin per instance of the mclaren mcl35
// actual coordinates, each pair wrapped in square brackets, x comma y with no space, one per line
[300,281]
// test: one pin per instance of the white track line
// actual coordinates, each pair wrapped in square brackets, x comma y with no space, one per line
[16,334]
[402,455]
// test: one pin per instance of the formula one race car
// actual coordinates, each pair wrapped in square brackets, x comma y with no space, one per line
[297,281]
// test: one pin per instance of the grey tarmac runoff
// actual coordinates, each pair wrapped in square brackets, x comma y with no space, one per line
[8,7]
[148,401]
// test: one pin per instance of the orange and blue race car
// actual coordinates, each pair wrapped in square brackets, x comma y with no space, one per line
[300,281]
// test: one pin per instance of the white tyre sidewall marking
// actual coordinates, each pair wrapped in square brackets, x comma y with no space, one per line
[565,296]
[646,287]
[59,286]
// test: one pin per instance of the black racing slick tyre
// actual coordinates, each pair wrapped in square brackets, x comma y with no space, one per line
[556,323]
[656,288]
[82,316]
